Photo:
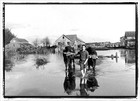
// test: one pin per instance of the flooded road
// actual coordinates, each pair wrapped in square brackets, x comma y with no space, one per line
[114,77]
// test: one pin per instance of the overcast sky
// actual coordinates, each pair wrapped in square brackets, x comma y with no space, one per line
[91,23]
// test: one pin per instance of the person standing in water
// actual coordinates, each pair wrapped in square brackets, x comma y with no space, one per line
[84,55]
[92,58]
[68,59]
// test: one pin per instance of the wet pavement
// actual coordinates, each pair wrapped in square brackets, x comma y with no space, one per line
[23,77]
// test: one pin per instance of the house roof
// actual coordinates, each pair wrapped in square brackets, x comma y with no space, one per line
[20,40]
[73,38]
[130,34]
[80,40]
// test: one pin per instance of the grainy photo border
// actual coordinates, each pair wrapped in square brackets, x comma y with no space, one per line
[82,3]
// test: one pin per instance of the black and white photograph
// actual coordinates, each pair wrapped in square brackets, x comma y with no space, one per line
[70,50]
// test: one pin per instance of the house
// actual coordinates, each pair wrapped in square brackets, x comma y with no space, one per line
[17,43]
[130,39]
[122,41]
[62,41]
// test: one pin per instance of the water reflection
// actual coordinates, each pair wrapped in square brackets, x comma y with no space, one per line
[88,84]
[10,60]
[69,82]
[83,86]
[129,55]
[92,83]
[24,76]
[8,65]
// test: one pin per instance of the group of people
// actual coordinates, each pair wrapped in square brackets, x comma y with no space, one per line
[87,58]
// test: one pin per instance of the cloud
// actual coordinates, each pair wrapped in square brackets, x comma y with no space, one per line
[90,23]
[16,25]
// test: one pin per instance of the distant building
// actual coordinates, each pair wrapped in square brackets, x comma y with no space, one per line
[61,42]
[129,39]
[98,44]
[122,41]
[116,44]
[17,43]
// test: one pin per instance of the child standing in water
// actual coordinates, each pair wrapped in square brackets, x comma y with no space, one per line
[83,59]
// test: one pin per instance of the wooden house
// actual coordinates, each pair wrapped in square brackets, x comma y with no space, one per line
[62,41]
[17,43]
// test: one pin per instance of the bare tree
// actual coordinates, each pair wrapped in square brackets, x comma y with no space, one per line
[36,42]
[46,41]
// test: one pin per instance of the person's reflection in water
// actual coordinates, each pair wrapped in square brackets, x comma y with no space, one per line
[88,84]
[69,82]
[83,86]
[92,83]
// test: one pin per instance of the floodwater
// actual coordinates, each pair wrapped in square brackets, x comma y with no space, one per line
[114,77]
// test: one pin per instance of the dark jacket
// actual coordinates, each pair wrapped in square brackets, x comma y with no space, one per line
[91,51]
[68,49]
